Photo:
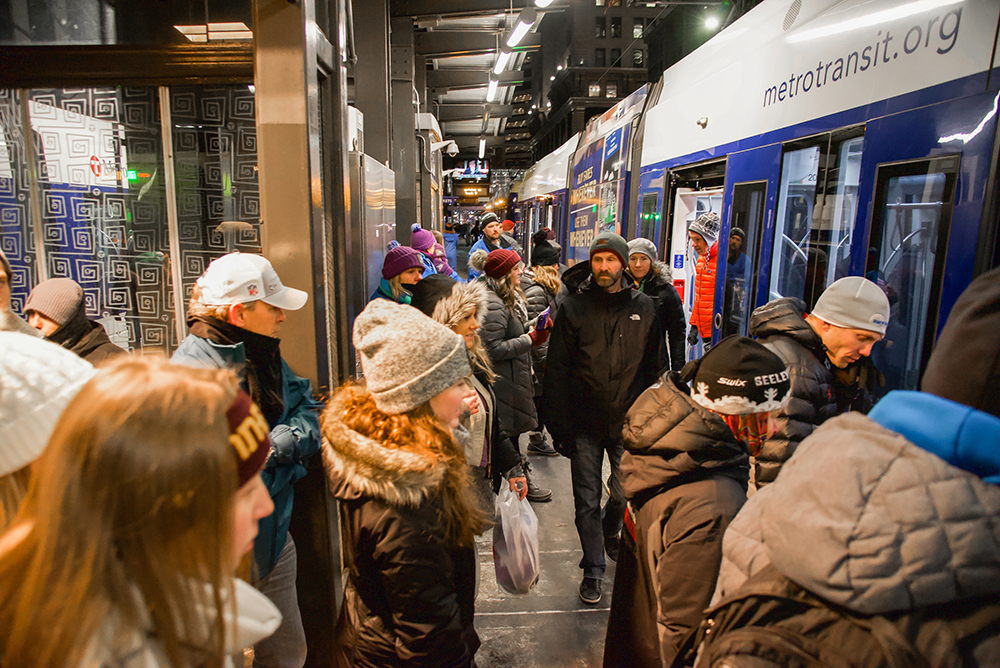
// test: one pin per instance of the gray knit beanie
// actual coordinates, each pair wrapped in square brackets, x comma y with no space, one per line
[609,241]
[407,358]
[37,380]
[707,225]
[854,302]
[643,247]
[57,299]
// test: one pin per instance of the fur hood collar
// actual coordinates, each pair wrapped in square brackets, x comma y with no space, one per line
[455,307]
[357,466]
[662,276]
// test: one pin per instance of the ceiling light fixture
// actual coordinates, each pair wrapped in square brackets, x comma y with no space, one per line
[491,91]
[482,148]
[543,3]
[216,32]
[525,20]
[712,22]
[502,59]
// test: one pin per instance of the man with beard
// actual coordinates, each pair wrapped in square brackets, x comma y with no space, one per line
[605,349]
[489,242]
[235,314]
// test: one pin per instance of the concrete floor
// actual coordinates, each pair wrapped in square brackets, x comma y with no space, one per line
[549,627]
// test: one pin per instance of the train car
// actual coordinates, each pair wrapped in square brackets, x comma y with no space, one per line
[542,196]
[842,138]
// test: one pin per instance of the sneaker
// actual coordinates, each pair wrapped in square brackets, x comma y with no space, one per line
[590,590]
[537,494]
[541,448]
[611,546]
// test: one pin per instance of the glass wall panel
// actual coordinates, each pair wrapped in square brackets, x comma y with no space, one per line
[215,167]
[817,210]
[745,224]
[16,238]
[102,192]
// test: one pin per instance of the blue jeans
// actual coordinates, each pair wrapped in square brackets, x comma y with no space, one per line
[592,523]
[286,648]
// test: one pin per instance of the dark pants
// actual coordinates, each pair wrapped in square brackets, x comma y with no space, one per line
[593,523]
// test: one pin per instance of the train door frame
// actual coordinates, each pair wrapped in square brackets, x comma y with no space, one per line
[755,166]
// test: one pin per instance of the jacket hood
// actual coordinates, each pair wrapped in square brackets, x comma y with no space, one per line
[670,440]
[453,308]
[578,278]
[665,275]
[786,317]
[863,517]
[358,466]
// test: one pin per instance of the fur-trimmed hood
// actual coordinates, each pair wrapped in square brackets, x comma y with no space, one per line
[454,308]
[357,466]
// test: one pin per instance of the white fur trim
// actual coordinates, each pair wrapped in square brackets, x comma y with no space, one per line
[737,405]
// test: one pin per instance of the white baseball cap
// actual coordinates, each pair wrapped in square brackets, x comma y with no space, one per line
[275,292]
[238,278]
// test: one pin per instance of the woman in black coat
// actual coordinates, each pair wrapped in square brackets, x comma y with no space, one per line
[654,279]
[508,339]
[408,517]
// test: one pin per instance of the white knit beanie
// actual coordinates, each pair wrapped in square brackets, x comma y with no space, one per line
[407,358]
[37,380]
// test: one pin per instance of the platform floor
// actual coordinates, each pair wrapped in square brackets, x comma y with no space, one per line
[550,627]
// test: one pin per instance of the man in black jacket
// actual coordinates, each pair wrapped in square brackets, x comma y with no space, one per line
[849,318]
[604,351]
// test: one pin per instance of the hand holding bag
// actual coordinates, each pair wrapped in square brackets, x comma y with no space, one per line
[515,543]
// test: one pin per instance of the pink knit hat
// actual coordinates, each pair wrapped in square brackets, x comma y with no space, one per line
[399,259]
[422,239]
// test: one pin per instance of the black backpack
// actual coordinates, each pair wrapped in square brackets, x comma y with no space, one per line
[772,622]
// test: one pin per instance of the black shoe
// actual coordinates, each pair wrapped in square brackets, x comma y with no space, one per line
[541,448]
[590,590]
[537,494]
[611,545]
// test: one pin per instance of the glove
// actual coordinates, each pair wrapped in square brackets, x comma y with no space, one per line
[564,448]
[693,336]
[538,337]
[284,443]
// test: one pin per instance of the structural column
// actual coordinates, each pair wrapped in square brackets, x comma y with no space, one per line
[371,75]
[404,143]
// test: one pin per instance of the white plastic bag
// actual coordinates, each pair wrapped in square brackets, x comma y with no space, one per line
[515,543]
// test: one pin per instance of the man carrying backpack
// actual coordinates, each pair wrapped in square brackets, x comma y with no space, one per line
[878,545]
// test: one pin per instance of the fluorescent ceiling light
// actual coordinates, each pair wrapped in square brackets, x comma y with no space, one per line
[712,23]
[543,3]
[482,148]
[525,20]
[491,92]
[502,60]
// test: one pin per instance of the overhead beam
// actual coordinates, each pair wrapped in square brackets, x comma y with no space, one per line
[472,141]
[470,112]
[441,81]
[451,8]
[465,43]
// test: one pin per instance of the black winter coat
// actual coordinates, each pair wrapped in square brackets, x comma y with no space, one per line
[685,476]
[409,596]
[86,338]
[603,352]
[781,327]
[669,311]
[538,299]
[506,340]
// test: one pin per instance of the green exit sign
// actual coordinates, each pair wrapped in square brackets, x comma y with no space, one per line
[132,174]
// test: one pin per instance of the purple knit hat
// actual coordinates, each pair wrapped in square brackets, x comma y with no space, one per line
[422,239]
[399,259]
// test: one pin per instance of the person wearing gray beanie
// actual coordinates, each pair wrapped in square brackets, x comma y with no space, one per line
[703,235]
[407,507]
[654,279]
[849,318]
[37,380]
[56,308]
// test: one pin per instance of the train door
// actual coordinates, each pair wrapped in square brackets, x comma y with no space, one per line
[693,191]
[907,245]
[816,214]
[744,244]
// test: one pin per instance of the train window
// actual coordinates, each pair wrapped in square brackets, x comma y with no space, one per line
[906,251]
[817,210]
[745,223]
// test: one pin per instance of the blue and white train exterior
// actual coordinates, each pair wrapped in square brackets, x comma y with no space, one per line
[841,138]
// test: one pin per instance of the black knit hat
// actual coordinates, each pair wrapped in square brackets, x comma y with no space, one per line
[429,291]
[543,255]
[739,377]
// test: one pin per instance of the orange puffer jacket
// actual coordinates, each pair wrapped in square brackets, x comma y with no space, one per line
[704,291]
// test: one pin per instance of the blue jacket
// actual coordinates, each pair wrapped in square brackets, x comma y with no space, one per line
[428,266]
[281,470]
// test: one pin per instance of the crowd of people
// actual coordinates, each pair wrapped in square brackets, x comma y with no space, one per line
[756,514]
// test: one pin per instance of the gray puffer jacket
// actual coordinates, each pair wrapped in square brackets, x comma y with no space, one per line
[869,521]
[780,325]
[506,340]
[538,299]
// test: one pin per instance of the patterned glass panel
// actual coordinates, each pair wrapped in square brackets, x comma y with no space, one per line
[215,163]
[102,192]
[16,238]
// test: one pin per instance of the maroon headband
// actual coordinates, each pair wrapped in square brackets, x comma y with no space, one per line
[248,435]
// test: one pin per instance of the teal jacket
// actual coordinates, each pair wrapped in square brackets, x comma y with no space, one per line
[282,469]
